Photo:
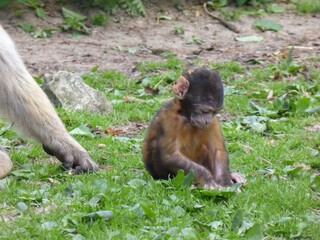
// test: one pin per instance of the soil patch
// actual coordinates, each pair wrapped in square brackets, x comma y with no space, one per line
[122,44]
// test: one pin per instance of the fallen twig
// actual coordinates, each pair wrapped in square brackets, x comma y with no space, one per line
[223,22]
[305,48]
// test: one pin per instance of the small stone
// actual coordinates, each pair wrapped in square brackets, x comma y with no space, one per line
[102,145]
[68,90]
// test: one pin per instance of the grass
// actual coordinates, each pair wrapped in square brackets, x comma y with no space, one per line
[308,6]
[278,156]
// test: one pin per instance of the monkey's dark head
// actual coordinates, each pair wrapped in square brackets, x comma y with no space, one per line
[200,93]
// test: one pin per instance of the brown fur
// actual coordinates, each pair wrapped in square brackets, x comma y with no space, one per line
[173,142]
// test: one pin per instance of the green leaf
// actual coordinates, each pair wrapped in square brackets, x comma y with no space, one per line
[228,90]
[94,69]
[293,69]
[5,128]
[42,33]
[195,40]
[303,103]
[40,12]
[27,27]
[69,190]
[259,127]
[315,184]
[78,237]
[67,13]
[188,179]
[290,170]
[137,183]
[263,111]
[314,152]
[23,173]
[250,38]
[94,201]
[164,17]
[237,220]
[182,180]
[313,110]
[275,8]
[216,224]
[178,179]
[22,207]
[245,226]
[190,234]
[104,215]
[178,211]
[49,225]
[82,131]
[219,194]
[256,123]
[240,2]
[148,209]
[281,105]
[171,231]
[265,25]
[179,30]
[255,232]
[134,7]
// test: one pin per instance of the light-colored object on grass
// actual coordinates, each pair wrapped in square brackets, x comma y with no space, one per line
[69,91]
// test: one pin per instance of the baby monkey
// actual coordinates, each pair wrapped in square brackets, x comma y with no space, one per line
[186,134]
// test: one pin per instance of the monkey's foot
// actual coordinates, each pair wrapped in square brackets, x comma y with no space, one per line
[237,178]
[77,161]
[5,164]
[212,185]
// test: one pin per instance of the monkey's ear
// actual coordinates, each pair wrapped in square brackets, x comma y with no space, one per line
[180,87]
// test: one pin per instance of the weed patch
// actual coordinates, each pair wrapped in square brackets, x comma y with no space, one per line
[271,137]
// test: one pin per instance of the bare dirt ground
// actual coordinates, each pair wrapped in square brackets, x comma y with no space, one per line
[107,47]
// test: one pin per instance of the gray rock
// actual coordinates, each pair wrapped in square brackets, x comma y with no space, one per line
[69,91]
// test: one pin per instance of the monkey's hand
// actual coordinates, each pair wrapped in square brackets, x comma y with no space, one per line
[211,184]
[73,158]
[237,178]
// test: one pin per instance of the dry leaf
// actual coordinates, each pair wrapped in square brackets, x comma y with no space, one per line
[276,76]
[247,149]
[270,96]
[114,131]
[106,167]
[132,99]
[102,145]
[150,90]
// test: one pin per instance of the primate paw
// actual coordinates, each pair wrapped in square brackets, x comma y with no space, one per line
[5,164]
[77,161]
[81,162]
[212,185]
[237,178]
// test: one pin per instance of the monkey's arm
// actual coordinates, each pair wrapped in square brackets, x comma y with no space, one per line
[176,161]
[29,109]
[218,155]
[220,160]
[173,160]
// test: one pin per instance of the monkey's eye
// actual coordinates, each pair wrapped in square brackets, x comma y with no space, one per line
[206,111]
[200,112]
